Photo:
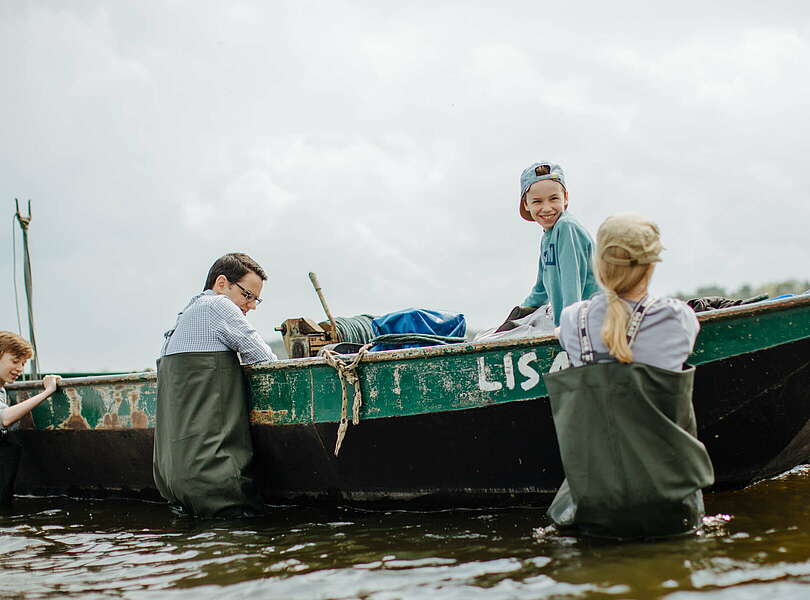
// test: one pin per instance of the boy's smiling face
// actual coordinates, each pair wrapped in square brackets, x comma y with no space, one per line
[546,200]
[11,367]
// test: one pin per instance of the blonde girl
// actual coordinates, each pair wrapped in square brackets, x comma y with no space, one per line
[628,246]
[623,414]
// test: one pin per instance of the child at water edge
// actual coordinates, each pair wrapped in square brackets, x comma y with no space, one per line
[14,353]
[623,415]
[564,272]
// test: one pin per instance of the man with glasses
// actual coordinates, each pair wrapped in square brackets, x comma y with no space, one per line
[203,450]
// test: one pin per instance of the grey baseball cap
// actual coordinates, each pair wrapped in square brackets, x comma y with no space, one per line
[539,171]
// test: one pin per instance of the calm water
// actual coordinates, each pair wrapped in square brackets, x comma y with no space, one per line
[756,544]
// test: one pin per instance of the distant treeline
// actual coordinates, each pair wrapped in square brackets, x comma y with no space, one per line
[774,289]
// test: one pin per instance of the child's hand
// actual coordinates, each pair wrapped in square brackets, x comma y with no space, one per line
[49,382]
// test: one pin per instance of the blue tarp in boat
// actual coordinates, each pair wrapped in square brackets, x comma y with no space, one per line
[418,321]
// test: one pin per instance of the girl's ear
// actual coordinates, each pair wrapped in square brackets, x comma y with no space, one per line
[565,205]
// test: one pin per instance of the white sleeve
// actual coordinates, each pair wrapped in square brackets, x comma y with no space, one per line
[569,330]
[233,329]
[687,319]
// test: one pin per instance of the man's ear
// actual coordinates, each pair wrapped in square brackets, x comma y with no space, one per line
[220,283]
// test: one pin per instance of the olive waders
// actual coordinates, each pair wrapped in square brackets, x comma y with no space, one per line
[203,450]
[628,441]
[9,462]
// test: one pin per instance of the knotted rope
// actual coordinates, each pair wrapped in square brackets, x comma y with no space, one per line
[347,373]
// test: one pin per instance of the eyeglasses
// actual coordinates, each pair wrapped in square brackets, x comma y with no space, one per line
[249,296]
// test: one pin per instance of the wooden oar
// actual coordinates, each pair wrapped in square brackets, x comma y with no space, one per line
[314,279]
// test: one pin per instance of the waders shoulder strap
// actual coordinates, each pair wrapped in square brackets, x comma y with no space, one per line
[633,327]
[170,332]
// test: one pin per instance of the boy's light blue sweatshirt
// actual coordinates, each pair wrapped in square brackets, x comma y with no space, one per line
[564,273]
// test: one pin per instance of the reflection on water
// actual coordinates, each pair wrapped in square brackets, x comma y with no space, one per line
[755,544]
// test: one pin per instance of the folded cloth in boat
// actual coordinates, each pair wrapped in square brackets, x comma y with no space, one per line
[516,313]
[537,323]
[714,302]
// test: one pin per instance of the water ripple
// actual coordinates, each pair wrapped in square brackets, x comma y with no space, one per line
[754,543]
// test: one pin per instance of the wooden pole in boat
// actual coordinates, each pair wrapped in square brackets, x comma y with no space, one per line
[29,287]
[314,279]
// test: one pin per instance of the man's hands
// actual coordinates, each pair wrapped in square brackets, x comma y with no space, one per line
[49,382]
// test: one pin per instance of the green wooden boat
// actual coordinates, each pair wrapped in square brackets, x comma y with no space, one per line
[460,425]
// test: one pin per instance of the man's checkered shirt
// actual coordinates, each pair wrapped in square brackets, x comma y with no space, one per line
[213,323]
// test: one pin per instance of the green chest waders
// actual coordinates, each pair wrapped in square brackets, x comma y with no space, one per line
[9,462]
[627,434]
[203,450]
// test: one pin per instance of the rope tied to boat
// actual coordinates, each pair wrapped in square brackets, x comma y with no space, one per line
[347,374]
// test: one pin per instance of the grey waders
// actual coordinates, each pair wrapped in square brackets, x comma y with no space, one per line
[628,441]
[203,450]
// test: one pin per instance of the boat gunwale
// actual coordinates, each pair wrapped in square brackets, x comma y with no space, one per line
[473,347]
[422,352]
[68,382]
[757,307]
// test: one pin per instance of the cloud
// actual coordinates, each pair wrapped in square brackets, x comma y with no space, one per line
[248,200]
[380,146]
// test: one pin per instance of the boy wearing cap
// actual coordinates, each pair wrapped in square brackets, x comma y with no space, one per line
[564,274]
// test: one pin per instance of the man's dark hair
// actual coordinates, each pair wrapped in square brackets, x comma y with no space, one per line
[234,266]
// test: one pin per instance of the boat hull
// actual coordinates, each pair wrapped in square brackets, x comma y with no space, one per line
[460,428]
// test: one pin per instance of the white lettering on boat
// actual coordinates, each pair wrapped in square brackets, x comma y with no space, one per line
[532,376]
[483,384]
[509,371]
[486,384]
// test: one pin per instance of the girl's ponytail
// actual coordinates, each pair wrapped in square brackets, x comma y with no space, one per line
[614,327]
[617,278]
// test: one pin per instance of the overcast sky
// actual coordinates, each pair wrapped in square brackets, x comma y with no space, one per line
[379,144]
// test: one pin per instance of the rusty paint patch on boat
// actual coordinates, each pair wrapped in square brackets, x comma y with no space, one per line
[110,421]
[76,422]
[140,420]
[266,417]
